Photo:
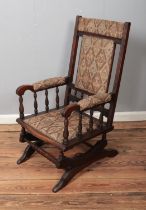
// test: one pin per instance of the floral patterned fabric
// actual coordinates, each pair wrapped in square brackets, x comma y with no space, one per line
[47,83]
[94,64]
[103,27]
[51,124]
[94,100]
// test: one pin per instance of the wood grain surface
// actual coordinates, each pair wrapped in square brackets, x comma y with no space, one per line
[117,183]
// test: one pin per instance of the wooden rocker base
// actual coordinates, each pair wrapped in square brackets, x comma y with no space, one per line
[28,152]
[71,165]
[83,160]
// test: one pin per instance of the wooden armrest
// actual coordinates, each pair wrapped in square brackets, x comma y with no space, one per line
[21,90]
[43,84]
[69,109]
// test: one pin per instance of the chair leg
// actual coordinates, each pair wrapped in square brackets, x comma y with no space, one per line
[28,152]
[78,162]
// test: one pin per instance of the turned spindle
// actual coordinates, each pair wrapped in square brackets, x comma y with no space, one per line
[57,98]
[35,104]
[79,133]
[91,121]
[65,132]
[101,118]
[46,101]
[21,107]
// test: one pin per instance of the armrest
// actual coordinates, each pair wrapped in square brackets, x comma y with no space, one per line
[69,109]
[50,83]
[87,103]
[94,100]
[21,90]
[43,84]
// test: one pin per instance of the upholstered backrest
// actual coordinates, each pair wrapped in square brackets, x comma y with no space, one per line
[96,53]
[94,64]
[102,27]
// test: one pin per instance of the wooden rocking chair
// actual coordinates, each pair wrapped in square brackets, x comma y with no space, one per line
[70,125]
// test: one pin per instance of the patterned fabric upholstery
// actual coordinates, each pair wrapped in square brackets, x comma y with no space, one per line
[103,27]
[94,100]
[47,83]
[94,64]
[51,124]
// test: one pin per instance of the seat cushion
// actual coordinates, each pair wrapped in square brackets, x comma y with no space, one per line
[51,124]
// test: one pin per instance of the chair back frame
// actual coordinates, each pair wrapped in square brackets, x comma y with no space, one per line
[119,68]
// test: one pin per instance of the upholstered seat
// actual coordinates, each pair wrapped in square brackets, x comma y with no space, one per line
[51,124]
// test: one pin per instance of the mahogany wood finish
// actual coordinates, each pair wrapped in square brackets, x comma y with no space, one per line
[119,71]
[72,60]
[91,121]
[46,100]
[22,135]
[65,132]
[36,139]
[28,152]
[35,104]
[80,161]
[21,107]
[57,98]
[21,90]
[79,134]
[69,109]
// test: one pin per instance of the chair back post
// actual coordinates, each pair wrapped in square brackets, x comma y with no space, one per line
[72,60]
[119,71]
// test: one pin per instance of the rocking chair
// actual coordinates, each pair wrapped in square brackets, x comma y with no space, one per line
[74,123]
